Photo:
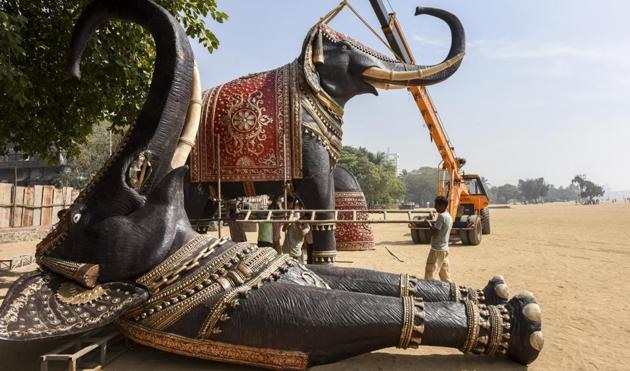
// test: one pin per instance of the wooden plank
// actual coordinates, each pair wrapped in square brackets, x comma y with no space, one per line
[18,198]
[67,197]
[37,203]
[47,200]
[75,193]
[27,214]
[6,190]
[57,200]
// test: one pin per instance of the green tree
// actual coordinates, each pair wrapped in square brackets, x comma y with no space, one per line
[81,168]
[376,175]
[43,109]
[561,194]
[505,194]
[533,190]
[591,191]
[587,189]
[421,185]
[579,181]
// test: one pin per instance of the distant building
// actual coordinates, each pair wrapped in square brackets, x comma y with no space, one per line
[29,171]
[394,159]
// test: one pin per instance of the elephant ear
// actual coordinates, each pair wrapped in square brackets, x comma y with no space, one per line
[308,64]
[42,305]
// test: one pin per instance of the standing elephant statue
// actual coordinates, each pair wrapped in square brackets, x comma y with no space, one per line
[283,128]
[126,252]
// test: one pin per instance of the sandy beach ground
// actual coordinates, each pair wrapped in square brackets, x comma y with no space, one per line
[575,259]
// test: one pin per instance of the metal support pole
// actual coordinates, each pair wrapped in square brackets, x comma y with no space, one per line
[14,201]
[284,144]
[219,182]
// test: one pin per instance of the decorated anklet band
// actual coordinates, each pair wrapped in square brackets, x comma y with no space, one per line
[472,317]
[500,336]
[413,323]
[494,330]
[455,297]
[327,257]
[324,227]
[408,285]
[468,293]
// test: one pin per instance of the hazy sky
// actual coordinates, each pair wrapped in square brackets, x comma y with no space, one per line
[544,89]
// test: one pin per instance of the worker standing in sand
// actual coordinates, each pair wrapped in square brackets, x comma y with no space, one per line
[440,233]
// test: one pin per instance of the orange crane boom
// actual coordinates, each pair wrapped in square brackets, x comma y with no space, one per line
[451,182]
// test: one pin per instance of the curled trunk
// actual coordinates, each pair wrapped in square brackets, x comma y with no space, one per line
[404,74]
[161,118]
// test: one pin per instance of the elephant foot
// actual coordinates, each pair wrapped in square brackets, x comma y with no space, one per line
[512,329]
[496,292]
[527,338]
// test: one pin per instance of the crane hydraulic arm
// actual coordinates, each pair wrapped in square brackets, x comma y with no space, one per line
[450,163]
[467,197]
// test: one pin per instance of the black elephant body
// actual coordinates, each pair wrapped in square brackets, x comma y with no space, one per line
[130,255]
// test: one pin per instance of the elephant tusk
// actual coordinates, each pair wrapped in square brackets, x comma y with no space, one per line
[389,75]
[189,132]
[385,86]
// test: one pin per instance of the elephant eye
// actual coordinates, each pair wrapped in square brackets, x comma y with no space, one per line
[76,217]
[344,47]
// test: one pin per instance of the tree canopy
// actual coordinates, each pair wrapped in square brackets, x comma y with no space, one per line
[587,190]
[421,185]
[504,194]
[376,175]
[43,109]
[99,145]
[533,190]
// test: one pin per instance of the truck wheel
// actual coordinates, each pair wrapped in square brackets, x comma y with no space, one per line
[474,235]
[414,236]
[463,235]
[420,236]
[425,236]
[485,221]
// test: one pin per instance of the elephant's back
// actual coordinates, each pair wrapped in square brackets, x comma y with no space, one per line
[345,181]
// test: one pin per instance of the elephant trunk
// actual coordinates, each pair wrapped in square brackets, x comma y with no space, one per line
[403,74]
[153,137]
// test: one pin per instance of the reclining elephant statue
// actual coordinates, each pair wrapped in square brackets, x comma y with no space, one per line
[285,125]
[128,254]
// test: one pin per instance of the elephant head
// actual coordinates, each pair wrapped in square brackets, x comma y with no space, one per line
[340,67]
[97,231]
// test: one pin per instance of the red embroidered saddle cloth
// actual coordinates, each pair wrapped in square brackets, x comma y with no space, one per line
[257,121]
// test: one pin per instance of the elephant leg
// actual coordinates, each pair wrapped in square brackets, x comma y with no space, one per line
[317,191]
[330,325]
[398,285]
